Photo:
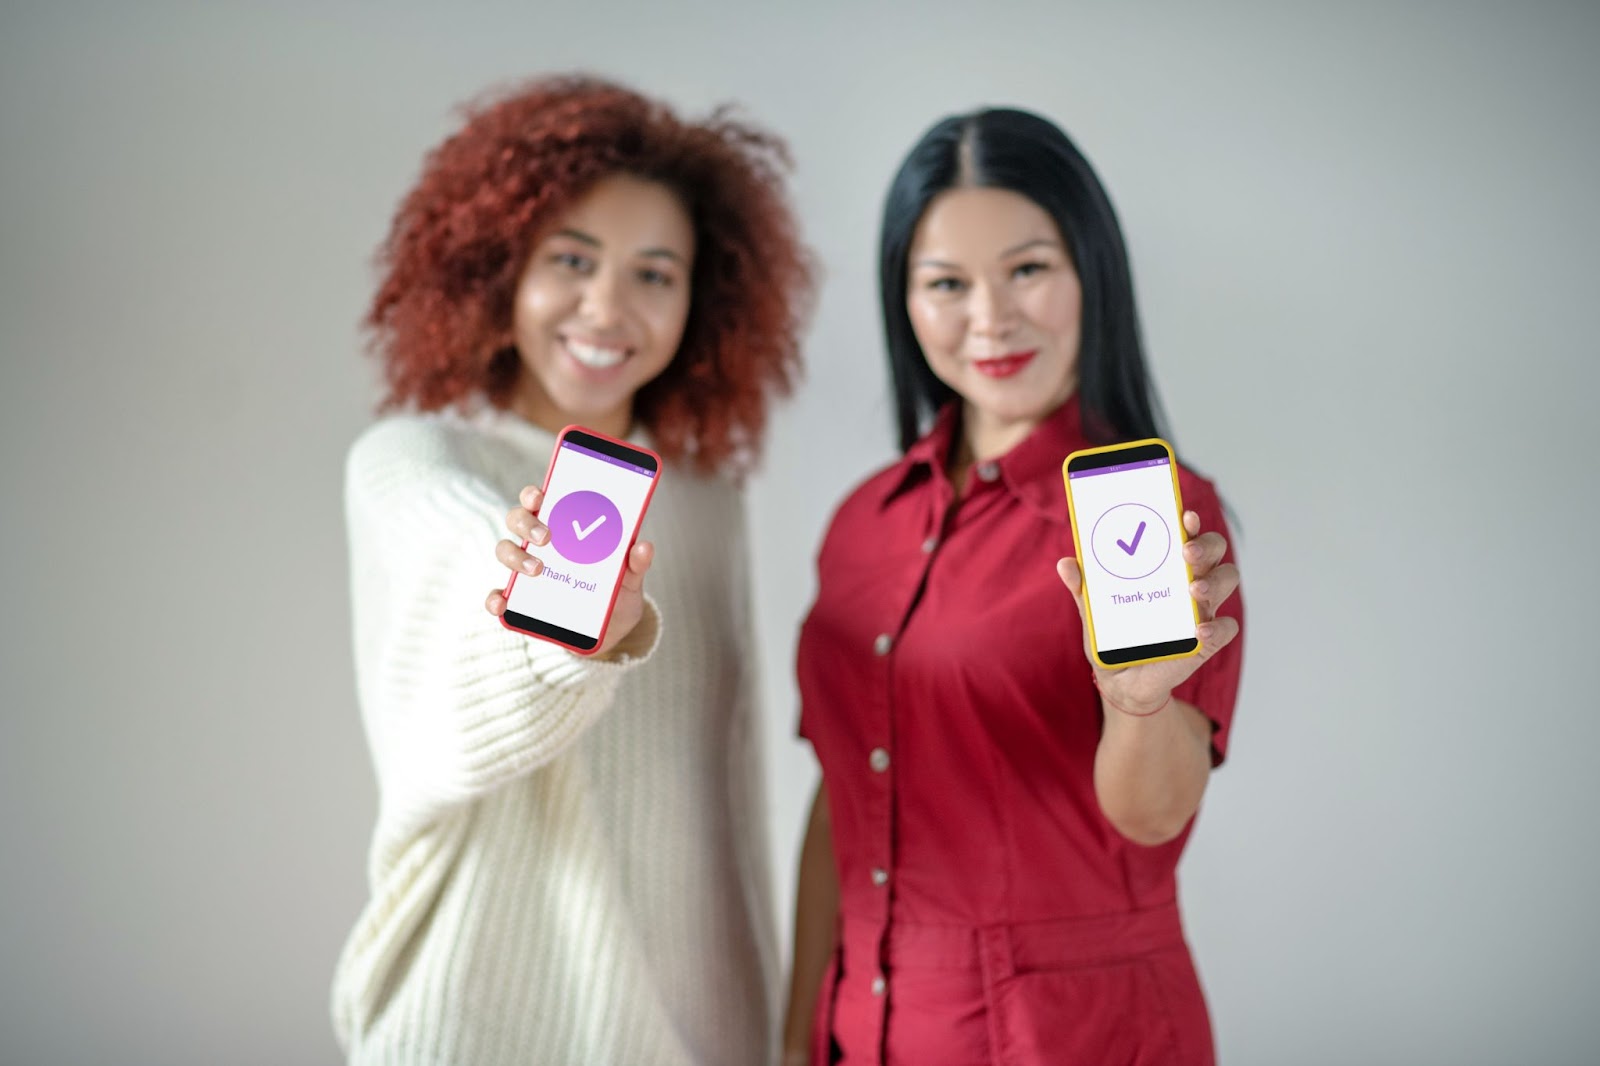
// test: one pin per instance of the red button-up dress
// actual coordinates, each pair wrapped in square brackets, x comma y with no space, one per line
[988,911]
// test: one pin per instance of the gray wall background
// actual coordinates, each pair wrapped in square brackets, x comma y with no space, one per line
[1365,243]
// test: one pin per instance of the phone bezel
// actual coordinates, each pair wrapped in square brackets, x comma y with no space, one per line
[1120,455]
[529,625]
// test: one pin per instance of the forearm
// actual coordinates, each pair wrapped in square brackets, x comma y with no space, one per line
[816,914]
[456,705]
[1151,771]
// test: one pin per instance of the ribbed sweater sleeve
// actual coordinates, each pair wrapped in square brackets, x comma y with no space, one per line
[568,864]
[455,704]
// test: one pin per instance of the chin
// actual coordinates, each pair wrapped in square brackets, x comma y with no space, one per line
[581,405]
[1010,402]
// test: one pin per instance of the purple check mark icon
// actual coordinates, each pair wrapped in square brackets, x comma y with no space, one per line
[1138,535]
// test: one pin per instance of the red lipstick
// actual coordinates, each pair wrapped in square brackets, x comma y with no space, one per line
[1003,366]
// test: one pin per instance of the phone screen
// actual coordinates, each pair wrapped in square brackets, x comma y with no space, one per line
[593,501]
[1130,542]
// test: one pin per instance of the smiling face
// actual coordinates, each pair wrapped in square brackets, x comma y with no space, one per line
[996,307]
[601,305]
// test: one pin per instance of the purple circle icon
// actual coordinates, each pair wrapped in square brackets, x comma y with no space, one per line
[585,527]
[1130,541]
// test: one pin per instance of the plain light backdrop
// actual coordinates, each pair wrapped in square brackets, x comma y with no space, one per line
[1365,244]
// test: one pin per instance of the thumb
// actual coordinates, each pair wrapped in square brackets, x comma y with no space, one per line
[1072,577]
[639,560]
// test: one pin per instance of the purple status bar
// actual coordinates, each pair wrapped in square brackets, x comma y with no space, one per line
[604,458]
[1140,465]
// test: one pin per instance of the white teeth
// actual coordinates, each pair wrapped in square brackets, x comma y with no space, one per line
[593,357]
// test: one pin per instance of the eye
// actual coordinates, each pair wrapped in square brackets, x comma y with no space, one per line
[1029,269]
[944,284]
[652,276]
[578,264]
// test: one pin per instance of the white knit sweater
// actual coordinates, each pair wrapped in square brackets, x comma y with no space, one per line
[569,864]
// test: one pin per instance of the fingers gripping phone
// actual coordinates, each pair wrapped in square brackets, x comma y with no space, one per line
[595,494]
[1127,528]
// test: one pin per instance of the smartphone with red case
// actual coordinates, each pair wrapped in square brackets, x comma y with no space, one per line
[596,492]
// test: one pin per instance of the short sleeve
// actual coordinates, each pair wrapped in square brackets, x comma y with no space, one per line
[1214,688]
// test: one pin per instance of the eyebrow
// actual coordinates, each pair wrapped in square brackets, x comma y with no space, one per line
[1025,245]
[1008,253]
[594,242]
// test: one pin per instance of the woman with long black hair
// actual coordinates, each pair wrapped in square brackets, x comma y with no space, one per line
[988,872]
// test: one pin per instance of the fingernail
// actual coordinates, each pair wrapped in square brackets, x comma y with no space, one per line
[540,535]
[1204,632]
[532,566]
[1200,588]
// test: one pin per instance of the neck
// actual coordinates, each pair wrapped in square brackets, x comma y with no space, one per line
[984,437]
[532,403]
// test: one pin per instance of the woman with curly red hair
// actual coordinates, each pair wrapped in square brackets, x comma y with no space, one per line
[569,860]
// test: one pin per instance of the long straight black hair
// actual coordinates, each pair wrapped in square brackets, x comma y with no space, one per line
[1003,148]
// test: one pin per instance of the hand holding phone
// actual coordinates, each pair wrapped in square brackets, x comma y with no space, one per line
[584,589]
[1127,530]
[530,535]
[1147,579]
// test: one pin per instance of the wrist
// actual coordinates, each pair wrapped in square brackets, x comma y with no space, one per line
[639,640]
[1134,707]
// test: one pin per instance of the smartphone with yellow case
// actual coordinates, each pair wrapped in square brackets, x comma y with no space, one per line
[1127,529]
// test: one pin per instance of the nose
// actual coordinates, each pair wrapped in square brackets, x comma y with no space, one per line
[992,313]
[601,305]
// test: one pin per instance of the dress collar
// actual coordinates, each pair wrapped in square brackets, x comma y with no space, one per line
[1031,470]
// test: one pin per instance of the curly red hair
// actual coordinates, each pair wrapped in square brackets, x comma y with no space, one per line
[441,319]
